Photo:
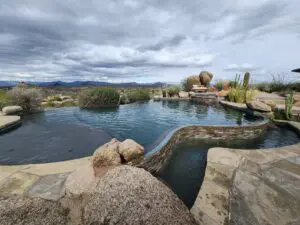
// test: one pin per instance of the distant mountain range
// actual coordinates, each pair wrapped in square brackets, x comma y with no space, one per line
[82,84]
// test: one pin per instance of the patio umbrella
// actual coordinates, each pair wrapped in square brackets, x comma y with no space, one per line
[296,70]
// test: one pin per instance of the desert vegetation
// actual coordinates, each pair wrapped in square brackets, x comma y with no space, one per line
[3,99]
[173,90]
[188,83]
[279,84]
[98,97]
[138,94]
[28,98]
[239,91]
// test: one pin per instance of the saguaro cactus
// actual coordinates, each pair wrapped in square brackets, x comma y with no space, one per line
[246,80]
[246,85]
[289,101]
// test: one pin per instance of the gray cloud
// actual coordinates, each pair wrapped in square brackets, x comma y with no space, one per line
[146,40]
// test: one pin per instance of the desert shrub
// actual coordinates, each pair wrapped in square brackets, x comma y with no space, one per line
[3,99]
[264,86]
[173,90]
[28,98]
[188,83]
[98,97]
[219,85]
[294,86]
[139,94]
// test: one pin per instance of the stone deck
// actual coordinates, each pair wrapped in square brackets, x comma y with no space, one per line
[250,187]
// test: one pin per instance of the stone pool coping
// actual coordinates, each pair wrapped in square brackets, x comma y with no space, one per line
[8,122]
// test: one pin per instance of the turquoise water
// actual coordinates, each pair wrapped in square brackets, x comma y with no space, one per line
[68,133]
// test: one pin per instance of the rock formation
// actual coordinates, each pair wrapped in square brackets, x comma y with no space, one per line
[129,195]
[114,153]
[107,154]
[130,150]
[259,106]
[205,78]
[33,211]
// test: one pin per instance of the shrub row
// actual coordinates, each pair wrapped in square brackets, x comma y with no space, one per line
[98,97]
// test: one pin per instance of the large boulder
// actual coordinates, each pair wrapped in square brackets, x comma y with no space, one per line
[259,106]
[130,150]
[12,110]
[33,211]
[107,155]
[205,78]
[129,195]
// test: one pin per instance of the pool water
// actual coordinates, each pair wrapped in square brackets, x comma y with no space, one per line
[69,133]
[185,170]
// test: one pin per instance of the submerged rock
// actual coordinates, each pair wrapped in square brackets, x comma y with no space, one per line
[259,106]
[12,110]
[107,155]
[33,211]
[129,195]
[130,150]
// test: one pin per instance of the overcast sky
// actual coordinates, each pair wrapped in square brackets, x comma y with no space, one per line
[147,41]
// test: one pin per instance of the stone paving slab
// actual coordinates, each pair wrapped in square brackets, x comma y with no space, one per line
[212,201]
[17,183]
[49,187]
[57,167]
[6,121]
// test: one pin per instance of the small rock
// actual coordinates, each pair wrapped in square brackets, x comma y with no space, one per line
[259,106]
[107,154]
[12,110]
[183,94]
[130,150]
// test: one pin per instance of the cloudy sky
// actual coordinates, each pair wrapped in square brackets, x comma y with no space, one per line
[147,40]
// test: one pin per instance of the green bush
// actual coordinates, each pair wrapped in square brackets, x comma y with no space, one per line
[28,98]
[164,93]
[138,95]
[219,85]
[3,99]
[98,97]
[188,83]
[173,90]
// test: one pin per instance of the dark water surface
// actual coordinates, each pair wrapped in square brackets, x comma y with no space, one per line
[185,170]
[68,133]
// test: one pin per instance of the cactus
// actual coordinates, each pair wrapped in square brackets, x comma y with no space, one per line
[289,101]
[246,85]
[246,80]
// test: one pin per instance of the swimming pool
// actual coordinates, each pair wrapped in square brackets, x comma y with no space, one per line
[68,133]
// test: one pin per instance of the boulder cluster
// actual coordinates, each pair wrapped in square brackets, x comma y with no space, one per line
[115,153]
[59,101]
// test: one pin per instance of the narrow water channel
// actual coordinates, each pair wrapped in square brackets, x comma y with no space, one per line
[185,170]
